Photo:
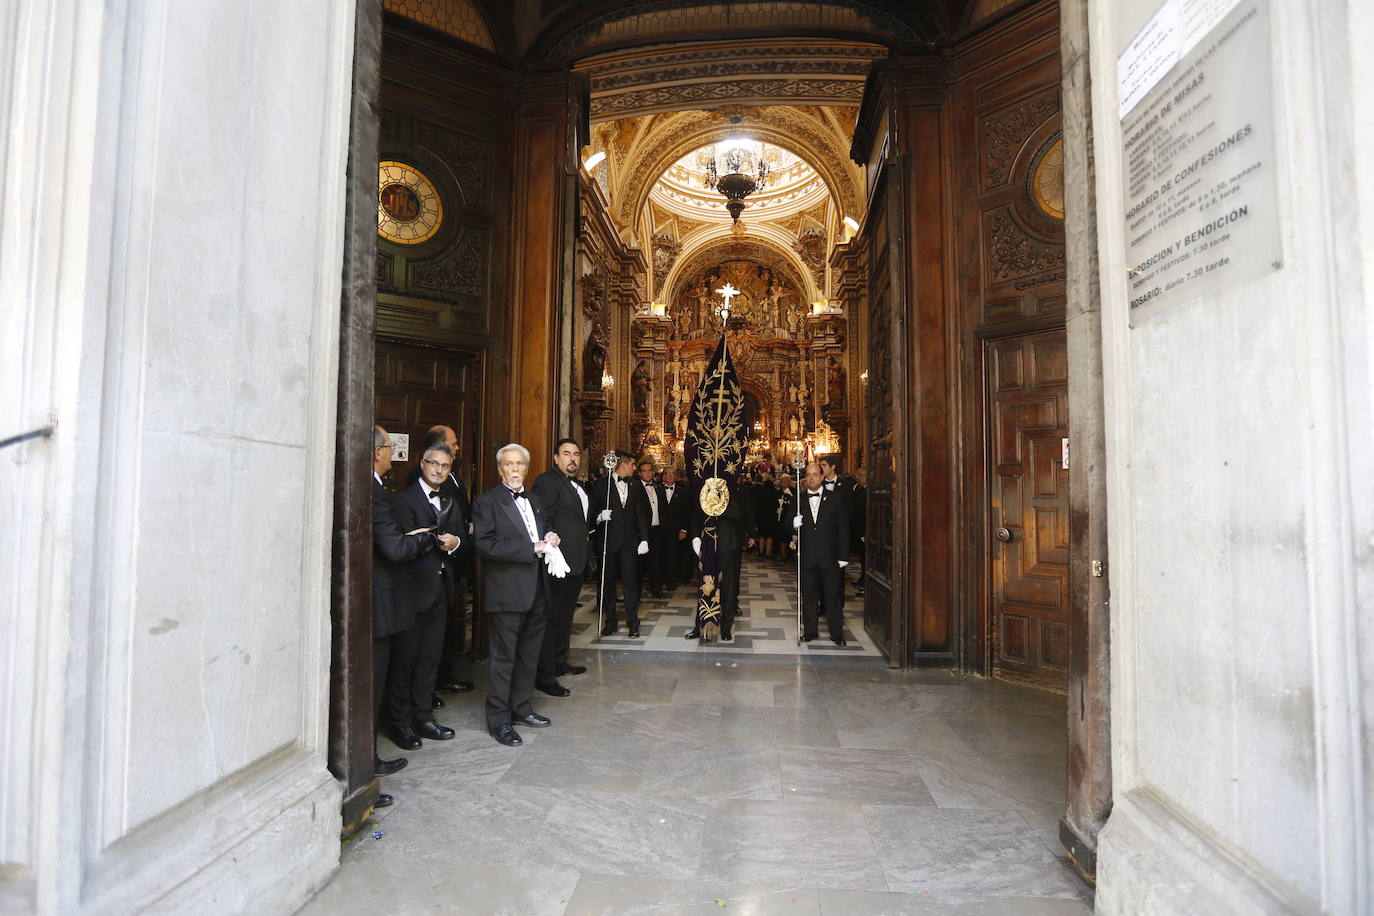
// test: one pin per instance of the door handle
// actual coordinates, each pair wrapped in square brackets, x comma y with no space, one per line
[1002,534]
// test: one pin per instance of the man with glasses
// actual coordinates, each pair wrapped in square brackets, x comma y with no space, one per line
[409,714]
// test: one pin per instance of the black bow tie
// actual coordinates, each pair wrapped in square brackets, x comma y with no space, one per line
[830,484]
[520,495]
[435,495]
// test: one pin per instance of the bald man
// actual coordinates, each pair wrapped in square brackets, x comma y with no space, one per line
[456,630]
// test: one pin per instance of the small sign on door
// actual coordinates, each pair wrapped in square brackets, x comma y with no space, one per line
[1064,442]
[400,447]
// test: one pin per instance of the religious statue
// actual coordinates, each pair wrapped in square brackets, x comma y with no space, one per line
[594,357]
[836,386]
[793,427]
[639,385]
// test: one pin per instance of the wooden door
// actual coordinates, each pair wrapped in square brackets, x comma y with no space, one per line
[1029,502]
[419,387]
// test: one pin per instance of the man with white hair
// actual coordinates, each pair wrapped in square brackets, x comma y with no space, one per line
[507,525]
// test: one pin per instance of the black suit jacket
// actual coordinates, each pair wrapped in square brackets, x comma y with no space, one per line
[435,570]
[678,516]
[562,510]
[824,541]
[510,567]
[734,526]
[629,523]
[393,552]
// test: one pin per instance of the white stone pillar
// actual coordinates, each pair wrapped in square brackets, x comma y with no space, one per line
[1240,443]
[170,252]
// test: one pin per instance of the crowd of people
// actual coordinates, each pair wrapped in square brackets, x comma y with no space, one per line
[534,544]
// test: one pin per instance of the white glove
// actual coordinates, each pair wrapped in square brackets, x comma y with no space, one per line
[643,548]
[797,521]
[553,559]
[605,516]
[696,546]
[843,564]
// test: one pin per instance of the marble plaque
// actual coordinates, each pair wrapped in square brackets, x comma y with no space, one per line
[1201,205]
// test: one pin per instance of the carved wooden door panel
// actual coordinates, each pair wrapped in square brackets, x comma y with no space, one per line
[1029,502]
[884,599]
[420,387]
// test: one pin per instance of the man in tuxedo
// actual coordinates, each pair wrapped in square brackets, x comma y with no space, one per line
[429,585]
[835,485]
[734,534]
[456,630]
[676,528]
[507,525]
[567,511]
[654,560]
[822,535]
[622,512]
[393,551]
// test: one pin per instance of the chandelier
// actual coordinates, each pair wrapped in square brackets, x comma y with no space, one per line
[746,171]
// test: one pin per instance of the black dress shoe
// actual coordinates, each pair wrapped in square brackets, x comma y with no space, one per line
[726,636]
[382,767]
[573,671]
[457,687]
[693,633]
[435,702]
[383,800]
[634,634]
[838,642]
[404,738]
[534,720]
[608,631]
[554,690]
[859,590]
[434,730]
[808,637]
[508,736]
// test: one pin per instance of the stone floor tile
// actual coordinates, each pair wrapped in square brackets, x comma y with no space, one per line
[777,843]
[401,886]
[713,771]
[864,775]
[607,895]
[620,834]
[879,903]
[594,762]
[979,852]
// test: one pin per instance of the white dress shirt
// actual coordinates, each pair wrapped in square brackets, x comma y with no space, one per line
[526,513]
[650,492]
[815,500]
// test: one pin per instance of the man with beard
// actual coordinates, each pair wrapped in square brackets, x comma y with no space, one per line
[507,526]
[567,511]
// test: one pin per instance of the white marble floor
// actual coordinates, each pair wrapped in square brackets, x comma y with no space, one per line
[767,624]
[710,782]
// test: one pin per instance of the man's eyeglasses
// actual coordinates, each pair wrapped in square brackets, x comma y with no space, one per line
[438,465]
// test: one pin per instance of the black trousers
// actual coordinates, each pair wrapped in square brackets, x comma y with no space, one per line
[513,642]
[621,566]
[668,549]
[381,661]
[415,655]
[455,635]
[562,601]
[822,590]
[651,565]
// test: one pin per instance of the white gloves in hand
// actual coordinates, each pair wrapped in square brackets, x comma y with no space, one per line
[605,516]
[797,521]
[696,546]
[643,548]
[843,564]
[557,565]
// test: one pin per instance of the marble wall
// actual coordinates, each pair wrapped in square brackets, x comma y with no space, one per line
[1238,436]
[165,635]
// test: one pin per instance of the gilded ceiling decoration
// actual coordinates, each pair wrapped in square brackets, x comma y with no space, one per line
[458,18]
[793,185]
